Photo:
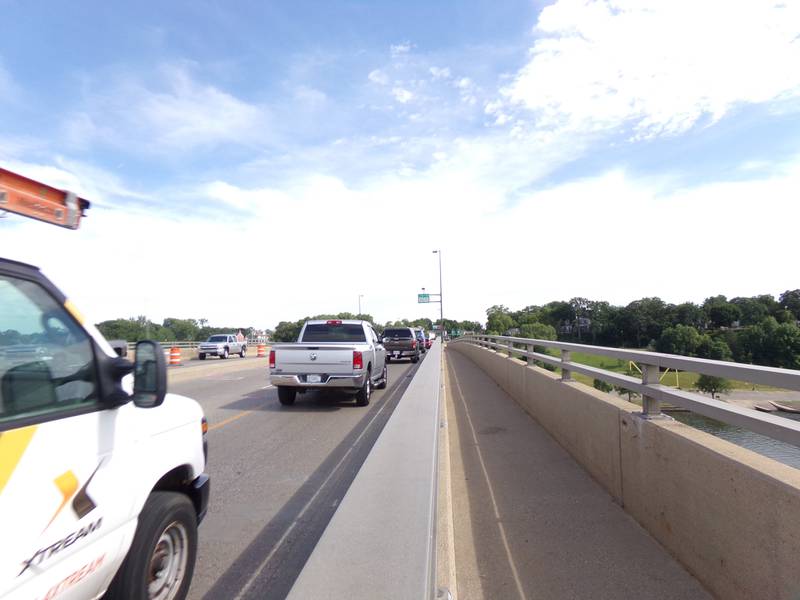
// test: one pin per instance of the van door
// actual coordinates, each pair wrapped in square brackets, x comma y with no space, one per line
[64,494]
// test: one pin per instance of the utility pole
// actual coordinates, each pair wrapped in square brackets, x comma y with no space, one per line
[441,305]
[360,296]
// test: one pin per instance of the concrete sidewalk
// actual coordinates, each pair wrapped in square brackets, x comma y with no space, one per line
[529,522]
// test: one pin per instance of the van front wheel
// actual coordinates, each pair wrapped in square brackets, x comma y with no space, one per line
[160,561]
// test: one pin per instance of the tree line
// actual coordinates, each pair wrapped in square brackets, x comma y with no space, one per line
[288,331]
[758,329]
[169,330]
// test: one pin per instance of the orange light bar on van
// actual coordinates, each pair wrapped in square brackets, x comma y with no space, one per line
[30,198]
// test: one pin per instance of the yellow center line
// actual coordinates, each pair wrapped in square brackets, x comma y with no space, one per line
[228,420]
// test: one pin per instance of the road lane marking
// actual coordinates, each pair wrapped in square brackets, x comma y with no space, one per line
[246,588]
[229,420]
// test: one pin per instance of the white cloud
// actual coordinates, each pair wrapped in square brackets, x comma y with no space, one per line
[379,77]
[310,96]
[174,113]
[608,230]
[440,72]
[397,50]
[9,90]
[660,66]
[402,95]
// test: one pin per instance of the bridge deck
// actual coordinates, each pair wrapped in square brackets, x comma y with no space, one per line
[529,522]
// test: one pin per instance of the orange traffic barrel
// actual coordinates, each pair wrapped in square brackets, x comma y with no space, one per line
[262,350]
[174,356]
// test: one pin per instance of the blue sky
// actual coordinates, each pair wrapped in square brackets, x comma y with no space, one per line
[551,149]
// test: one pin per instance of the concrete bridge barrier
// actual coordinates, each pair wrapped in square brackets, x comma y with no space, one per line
[729,515]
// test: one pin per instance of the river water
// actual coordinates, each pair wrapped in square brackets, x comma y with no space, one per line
[780,451]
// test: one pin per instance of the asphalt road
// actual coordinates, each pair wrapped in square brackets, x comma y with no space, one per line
[277,473]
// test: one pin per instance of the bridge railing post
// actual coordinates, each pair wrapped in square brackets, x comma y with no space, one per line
[651,407]
[510,348]
[529,348]
[566,374]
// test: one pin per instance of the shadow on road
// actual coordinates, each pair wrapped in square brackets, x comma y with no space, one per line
[267,401]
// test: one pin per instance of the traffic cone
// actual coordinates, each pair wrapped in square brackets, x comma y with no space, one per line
[175,356]
[262,351]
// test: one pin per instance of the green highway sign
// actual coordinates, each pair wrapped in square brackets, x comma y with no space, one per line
[423,298]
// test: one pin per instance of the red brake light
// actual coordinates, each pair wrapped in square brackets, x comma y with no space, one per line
[413,344]
[334,322]
[272,359]
[358,361]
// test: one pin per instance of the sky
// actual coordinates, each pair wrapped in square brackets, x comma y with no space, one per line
[250,162]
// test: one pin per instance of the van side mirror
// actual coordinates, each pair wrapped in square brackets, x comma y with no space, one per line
[149,375]
[120,347]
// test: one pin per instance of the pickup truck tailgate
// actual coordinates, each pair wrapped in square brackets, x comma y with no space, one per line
[314,358]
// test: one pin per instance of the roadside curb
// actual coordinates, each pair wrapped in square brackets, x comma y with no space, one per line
[446,578]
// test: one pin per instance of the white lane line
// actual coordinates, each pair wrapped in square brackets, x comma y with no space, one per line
[267,387]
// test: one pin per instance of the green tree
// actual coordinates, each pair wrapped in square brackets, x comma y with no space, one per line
[713,385]
[689,313]
[184,329]
[537,331]
[680,339]
[288,331]
[499,321]
[713,348]
[751,310]
[790,300]
[601,385]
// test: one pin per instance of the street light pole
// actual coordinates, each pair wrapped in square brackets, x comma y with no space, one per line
[441,305]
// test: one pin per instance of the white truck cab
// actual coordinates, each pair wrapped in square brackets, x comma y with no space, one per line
[102,482]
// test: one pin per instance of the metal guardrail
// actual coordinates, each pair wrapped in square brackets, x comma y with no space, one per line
[654,393]
[191,345]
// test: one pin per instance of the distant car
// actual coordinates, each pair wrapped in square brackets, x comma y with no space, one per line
[222,345]
[421,338]
[428,343]
[401,342]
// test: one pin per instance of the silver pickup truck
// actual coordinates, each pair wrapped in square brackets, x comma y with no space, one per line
[222,345]
[331,354]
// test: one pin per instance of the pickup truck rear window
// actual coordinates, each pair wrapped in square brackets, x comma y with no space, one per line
[322,332]
[397,333]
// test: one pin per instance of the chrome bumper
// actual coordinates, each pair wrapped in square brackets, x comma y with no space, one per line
[328,381]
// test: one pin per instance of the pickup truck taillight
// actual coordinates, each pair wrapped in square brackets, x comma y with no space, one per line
[358,361]
[413,344]
[272,359]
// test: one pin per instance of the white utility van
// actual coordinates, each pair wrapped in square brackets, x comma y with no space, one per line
[102,482]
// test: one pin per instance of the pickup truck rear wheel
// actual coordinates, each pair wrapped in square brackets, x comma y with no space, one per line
[415,358]
[286,396]
[160,561]
[384,379]
[362,396]
[243,351]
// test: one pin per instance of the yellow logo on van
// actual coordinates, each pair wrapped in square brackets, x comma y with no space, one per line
[67,484]
[12,446]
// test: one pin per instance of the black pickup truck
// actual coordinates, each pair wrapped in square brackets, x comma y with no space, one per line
[401,342]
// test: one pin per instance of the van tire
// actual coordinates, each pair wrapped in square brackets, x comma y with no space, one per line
[286,396]
[168,520]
